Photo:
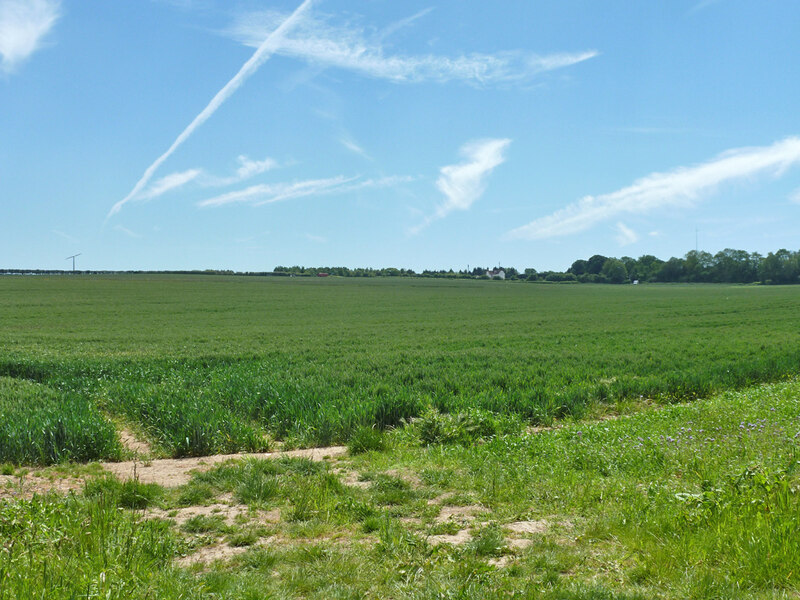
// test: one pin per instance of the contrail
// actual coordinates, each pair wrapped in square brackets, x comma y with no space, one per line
[261,55]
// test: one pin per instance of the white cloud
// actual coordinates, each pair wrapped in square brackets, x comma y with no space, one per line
[402,23]
[794,197]
[268,193]
[316,238]
[248,168]
[680,187]
[354,147]
[169,182]
[23,27]
[66,236]
[320,43]
[464,183]
[625,235]
[266,48]
[128,232]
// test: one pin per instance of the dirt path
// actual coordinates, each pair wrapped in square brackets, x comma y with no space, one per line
[172,472]
[168,472]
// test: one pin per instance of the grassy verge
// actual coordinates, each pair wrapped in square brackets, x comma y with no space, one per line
[688,501]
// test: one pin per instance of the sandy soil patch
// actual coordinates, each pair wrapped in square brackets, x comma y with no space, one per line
[500,561]
[460,514]
[456,539]
[210,554]
[412,479]
[134,444]
[14,487]
[528,527]
[172,472]
[351,478]
[168,472]
[229,513]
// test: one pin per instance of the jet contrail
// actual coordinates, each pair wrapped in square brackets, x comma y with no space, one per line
[262,54]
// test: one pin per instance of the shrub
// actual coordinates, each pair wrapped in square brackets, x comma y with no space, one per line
[365,439]
[465,428]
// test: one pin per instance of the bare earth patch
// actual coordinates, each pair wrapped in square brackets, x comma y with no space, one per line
[457,539]
[210,554]
[351,478]
[134,444]
[526,527]
[461,514]
[409,477]
[172,472]
[167,472]
[500,561]
[229,513]
[14,487]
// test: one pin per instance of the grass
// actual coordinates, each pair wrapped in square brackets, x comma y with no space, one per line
[41,426]
[695,500]
[691,493]
[224,364]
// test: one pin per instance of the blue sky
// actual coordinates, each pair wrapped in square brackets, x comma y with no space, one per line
[179,134]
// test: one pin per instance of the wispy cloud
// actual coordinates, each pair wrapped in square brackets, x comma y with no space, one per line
[169,182]
[703,4]
[258,195]
[66,236]
[464,183]
[266,48]
[321,43]
[403,23]
[625,235]
[247,168]
[128,232]
[24,24]
[353,146]
[318,239]
[794,197]
[677,188]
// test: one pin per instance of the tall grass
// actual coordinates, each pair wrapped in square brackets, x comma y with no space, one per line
[221,364]
[41,426]
[64,548]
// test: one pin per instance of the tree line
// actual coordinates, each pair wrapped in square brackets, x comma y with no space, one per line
[726,266]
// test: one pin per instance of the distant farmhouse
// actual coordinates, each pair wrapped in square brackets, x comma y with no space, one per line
[496,274]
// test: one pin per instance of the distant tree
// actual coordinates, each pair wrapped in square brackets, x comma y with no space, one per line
[595,264]
[698,266]
[578,267]
[648,267]
[614,270]
[558,277]
[671,271]
[782,266]
[590,278]
[631,266]
[735,266]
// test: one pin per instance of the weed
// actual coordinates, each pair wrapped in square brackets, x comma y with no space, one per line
[365,439]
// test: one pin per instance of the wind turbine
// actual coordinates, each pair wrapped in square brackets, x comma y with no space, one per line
[73,260]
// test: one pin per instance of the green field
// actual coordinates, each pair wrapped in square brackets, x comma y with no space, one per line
[671,471]
[202,365]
